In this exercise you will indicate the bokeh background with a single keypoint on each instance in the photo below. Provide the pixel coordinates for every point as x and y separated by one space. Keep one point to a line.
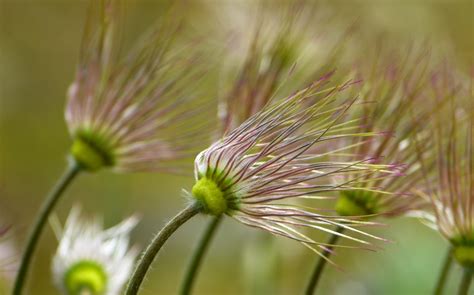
39 43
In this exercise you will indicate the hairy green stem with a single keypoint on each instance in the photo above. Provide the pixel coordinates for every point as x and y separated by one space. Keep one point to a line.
198 255
448 260
318 270
465 282
46 209
154 247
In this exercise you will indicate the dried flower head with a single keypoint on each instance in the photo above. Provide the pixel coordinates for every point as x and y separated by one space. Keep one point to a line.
449 168
93 260
257 81
256 172
282 55
133 114
392 103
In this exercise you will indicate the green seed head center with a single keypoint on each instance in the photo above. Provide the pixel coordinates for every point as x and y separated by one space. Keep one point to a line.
356 203
211 197
86 275
464 254
91 152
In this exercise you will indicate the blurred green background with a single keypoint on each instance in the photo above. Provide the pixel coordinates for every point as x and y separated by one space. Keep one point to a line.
39 42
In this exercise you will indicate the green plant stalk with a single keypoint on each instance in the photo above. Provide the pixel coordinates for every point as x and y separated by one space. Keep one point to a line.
46 209
319 268
156 244
444 272
198 255
465 282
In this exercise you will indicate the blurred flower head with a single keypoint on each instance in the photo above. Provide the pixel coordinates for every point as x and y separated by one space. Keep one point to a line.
137 113
391 102
257 172
93 260
449 167
283 51
256 82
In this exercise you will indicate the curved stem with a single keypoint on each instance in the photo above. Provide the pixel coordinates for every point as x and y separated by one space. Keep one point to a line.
465 282
46 209
154 247
444 272
198 255
318 270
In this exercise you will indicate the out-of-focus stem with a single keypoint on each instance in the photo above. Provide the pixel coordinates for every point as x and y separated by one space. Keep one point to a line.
465 282
46 209
444 272
198 255
319 268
